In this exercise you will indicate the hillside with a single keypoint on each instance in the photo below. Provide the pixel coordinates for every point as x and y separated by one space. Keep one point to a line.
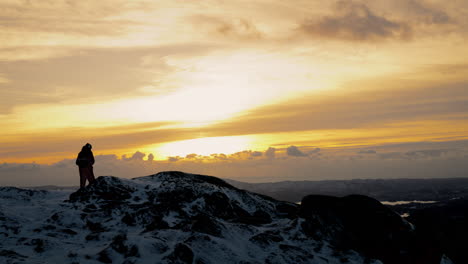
175 217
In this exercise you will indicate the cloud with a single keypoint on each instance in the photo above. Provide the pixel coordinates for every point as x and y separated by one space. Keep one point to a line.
62 23
431 153
446 103
367 151
103 139
314 151
191 156
270 153
239 28
219 156
256 154
427 162
295 152
351 111
355 21
136 156
391 155
174 159
83 27
426 13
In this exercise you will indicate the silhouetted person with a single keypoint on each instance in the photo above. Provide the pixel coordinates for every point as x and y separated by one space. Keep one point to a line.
85 161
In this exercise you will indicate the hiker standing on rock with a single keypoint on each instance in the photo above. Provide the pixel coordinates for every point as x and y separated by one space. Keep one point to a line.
85 161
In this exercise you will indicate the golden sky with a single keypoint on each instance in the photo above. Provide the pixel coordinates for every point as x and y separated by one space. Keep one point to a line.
174 78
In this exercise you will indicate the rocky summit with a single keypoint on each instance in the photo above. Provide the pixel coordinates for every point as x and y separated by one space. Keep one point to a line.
176 217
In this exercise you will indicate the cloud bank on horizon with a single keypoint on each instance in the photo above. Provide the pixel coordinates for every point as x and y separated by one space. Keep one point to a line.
181 80
415 160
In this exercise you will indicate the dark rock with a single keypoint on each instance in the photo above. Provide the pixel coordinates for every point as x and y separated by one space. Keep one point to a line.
54 217
239 212
267 238
104 188
172 201
156 223
20 194
204 224
288 210
68 231
11 254
181 254
95 227
290 254
52 234
322 205
129 219
442 229
197 238
289 248
103 257
49 227
118 244
258 218
133 252
90 208
92 237
83 216
39 245
218 204
264 216
21 240
360 223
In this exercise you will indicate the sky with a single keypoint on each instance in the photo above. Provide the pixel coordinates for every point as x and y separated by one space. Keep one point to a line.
250 90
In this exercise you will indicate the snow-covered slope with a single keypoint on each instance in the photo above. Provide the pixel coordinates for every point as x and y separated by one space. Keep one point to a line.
170 217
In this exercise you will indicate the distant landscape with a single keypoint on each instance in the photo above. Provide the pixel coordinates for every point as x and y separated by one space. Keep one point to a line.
438 208
176 217
380 189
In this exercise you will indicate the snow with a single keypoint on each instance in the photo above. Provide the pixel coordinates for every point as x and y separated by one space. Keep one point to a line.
445 260
48 227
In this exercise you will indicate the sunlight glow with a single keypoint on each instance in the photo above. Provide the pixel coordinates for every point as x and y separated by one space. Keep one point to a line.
206 90
220 86
204 146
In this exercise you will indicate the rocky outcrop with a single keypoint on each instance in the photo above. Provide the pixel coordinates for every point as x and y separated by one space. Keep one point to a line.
176 217
362 224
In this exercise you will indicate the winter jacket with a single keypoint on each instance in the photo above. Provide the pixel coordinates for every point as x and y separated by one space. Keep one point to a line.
85 158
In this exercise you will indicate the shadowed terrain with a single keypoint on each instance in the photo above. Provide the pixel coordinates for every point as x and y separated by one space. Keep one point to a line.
176 217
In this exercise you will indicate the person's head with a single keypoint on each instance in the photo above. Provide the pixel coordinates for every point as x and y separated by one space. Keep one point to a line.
87 147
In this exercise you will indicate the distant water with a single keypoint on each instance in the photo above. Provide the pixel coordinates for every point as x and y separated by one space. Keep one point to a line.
407 202
401 202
